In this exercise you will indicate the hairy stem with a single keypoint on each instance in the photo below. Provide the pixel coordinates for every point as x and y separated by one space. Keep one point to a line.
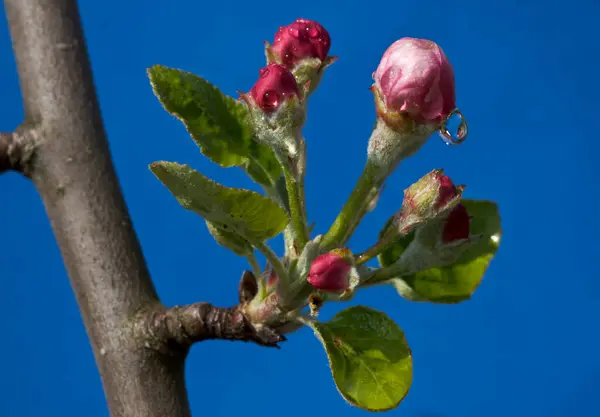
352 212
372 252
258 275
382 274
298 219
275 262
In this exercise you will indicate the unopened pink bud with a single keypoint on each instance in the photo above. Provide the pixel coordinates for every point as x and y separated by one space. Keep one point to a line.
330 272
447 190
302 39
415 77
457 225
426 199
433 191
275 85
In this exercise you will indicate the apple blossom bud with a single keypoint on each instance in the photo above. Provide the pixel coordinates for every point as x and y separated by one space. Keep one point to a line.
302 39
247 288
416 79
426 199
414 96
457 225
302 47
277 113
330 272
438 242
446 189
275 85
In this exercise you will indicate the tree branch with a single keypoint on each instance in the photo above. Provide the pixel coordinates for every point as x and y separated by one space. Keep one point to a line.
175 329
16 152
74 174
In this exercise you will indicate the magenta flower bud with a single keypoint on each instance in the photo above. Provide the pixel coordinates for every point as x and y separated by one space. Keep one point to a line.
302 39
330 272
275 85
415 78
447 190
425 200
432 193
457 225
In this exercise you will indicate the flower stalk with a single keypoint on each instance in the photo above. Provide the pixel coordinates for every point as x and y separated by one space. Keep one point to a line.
353 209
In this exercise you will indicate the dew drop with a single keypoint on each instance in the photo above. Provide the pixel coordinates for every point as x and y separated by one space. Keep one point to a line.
270 99
313 32
263 72
294 32
454 129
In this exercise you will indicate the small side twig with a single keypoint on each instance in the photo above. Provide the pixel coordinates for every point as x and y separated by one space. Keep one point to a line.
15 153
174 330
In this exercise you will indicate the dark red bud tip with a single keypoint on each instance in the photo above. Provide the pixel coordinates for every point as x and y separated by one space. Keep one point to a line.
447 191
302 39
275 85
329 273
457 225
272 279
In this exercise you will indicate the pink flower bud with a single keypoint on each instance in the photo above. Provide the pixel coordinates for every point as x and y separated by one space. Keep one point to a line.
457 225
302 39
447 190
415 77
275 85
330 272
433 194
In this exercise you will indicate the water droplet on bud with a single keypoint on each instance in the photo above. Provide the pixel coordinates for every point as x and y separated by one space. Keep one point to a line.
263 72
294 32
454 128
313 32
271 99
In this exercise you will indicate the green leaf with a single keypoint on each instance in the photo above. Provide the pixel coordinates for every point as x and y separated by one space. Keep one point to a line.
456 282
242 212
219 124
369 358
230 240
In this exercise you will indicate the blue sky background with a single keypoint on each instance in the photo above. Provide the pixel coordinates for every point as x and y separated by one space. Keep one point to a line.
526 74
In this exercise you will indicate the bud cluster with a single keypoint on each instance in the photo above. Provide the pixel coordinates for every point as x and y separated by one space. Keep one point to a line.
414 94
